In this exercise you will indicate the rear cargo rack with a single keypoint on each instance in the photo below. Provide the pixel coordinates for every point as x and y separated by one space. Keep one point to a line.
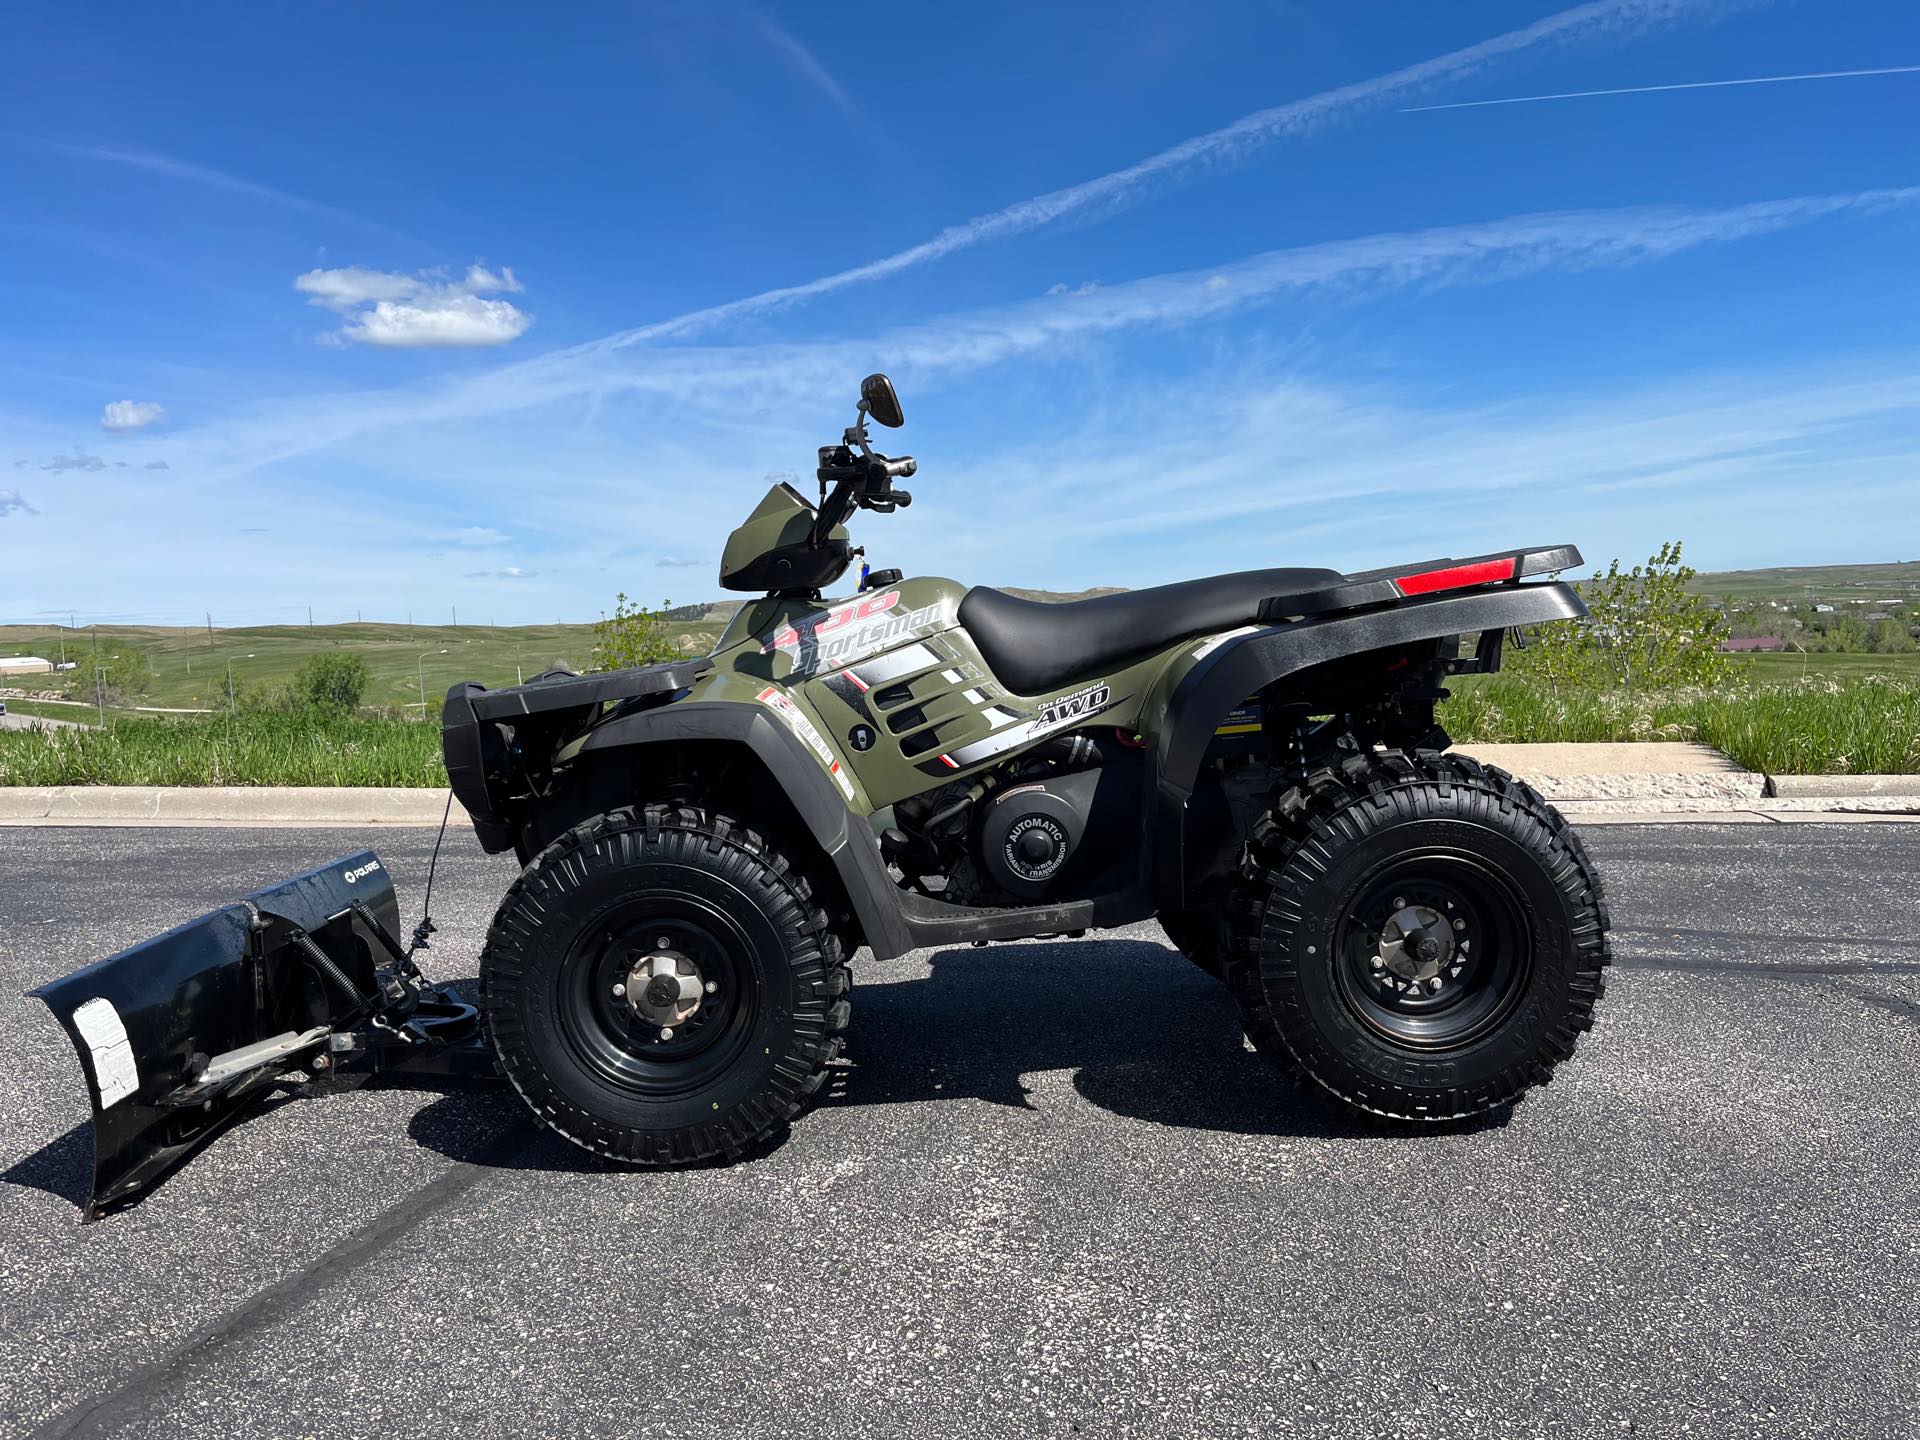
1398 582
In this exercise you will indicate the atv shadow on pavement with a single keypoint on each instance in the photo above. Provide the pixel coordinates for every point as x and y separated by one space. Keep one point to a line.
1147 1037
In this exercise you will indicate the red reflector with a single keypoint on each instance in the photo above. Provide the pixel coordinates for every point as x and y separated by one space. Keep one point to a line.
1456 577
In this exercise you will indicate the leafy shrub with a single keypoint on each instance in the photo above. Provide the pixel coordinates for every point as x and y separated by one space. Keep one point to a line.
334 683
633 635
1643 631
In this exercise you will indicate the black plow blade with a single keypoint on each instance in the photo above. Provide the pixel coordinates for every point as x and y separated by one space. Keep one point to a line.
181 1034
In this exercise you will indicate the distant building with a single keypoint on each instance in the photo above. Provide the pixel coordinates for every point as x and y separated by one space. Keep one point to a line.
1823 609
1765 644
25 665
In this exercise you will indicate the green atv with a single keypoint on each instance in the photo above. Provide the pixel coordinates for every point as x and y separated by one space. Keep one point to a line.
1250 758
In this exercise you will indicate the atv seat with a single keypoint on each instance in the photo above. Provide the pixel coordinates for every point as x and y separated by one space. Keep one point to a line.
1032 646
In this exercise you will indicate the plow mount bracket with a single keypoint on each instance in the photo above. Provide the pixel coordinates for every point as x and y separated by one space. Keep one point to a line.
179 1035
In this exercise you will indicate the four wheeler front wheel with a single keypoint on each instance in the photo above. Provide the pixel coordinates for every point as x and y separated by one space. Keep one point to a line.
661 987
1420 937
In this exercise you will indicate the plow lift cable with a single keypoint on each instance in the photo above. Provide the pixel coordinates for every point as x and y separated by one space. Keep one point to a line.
426 926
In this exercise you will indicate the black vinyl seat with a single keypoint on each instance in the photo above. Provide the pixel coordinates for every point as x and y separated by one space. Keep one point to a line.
1033 645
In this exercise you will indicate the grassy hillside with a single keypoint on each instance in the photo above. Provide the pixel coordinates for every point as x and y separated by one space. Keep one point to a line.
188 668
1836 584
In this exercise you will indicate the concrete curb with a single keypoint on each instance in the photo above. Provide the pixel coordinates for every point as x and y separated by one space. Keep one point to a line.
222 805
1591 784
1845 787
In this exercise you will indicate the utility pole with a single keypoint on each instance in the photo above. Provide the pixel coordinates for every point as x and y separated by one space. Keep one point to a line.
456 616
420 668
209 629
309 617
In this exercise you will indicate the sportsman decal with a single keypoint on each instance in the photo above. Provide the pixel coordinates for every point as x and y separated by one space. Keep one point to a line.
782 705
829 639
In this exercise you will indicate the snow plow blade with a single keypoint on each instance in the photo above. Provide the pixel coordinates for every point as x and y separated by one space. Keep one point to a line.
179 1035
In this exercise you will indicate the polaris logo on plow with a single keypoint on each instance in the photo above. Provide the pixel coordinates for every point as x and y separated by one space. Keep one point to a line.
1069 708
354 877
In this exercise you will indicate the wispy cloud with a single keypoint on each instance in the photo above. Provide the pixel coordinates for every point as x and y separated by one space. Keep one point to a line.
174 168
803 61
510 572
716 377
131 414
479 535
12 502
79 460
399 311
1654 89
1231 145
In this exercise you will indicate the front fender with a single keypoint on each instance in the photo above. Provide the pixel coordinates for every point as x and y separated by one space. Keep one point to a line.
844 838
1248 664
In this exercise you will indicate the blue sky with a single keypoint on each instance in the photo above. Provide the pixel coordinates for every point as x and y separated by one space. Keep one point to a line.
385 311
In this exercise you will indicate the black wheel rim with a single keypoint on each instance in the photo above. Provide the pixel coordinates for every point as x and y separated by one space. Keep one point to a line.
609 1034
1434 952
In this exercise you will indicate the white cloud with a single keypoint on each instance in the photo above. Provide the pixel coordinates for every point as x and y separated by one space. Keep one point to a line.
479 535
79 460
158 465
399 311
12 502
131 414
511 572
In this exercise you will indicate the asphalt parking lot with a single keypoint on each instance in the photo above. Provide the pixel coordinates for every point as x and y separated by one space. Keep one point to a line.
1051 1194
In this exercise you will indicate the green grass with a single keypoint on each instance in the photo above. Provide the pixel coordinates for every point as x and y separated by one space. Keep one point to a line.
1865 725
1868 725
190 672
243 749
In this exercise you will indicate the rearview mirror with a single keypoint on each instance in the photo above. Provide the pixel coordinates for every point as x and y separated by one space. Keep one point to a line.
876 394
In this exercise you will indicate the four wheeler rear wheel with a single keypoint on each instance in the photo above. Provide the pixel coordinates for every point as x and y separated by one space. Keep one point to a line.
661 987
1421 937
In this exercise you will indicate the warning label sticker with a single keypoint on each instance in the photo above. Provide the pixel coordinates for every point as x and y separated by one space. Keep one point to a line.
796 718
113 1068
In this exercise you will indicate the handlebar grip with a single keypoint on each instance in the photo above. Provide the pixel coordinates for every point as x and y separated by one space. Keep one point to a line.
903 467
902 499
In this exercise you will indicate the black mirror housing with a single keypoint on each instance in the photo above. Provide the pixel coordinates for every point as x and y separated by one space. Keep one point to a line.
876 394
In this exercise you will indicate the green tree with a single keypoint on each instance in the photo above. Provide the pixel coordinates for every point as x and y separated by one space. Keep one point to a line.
632 635
1643 631
333 683
1890 637
115 673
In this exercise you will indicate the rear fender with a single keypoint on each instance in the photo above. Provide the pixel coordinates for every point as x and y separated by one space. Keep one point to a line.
1249 663
845 840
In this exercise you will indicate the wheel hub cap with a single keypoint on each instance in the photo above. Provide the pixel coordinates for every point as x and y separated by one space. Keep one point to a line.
665 989
1416 943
